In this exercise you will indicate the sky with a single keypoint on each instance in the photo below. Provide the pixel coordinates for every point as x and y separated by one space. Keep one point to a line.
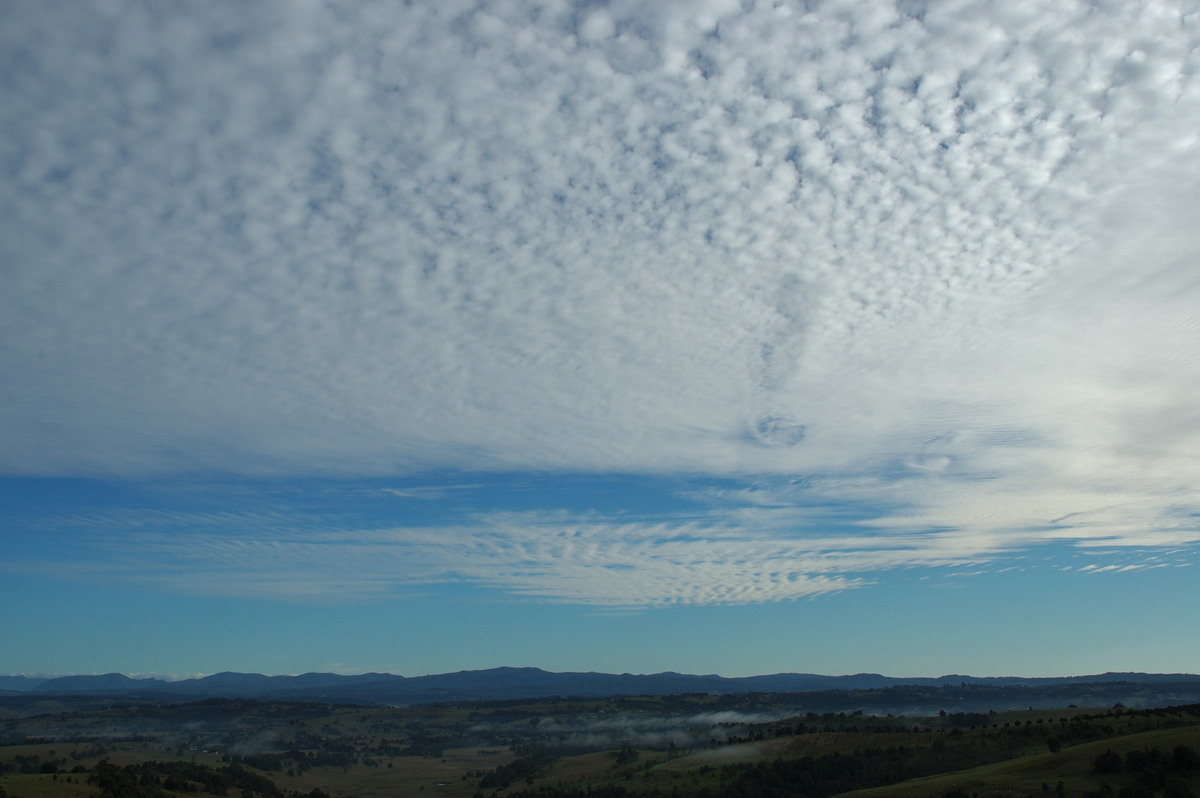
712 336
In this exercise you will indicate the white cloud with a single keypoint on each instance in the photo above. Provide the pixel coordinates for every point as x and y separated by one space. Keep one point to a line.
943 253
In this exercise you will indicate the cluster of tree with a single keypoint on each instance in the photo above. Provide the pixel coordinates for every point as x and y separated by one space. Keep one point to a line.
300 761
33 763
965 720
527 768
836 773
22 764
1182 758
152 779
625 756
1153 770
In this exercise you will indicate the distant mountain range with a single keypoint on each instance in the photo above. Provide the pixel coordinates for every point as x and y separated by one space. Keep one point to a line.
515 683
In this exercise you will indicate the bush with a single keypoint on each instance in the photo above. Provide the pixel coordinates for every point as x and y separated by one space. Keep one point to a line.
1137 761
1108 762
1184 758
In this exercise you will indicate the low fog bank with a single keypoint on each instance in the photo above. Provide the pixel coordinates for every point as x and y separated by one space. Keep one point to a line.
595 732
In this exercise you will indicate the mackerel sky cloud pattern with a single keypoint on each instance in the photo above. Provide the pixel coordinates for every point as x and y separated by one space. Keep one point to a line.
938 261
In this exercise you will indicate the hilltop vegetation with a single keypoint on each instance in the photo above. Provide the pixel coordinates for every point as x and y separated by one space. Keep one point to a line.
760 745
866 691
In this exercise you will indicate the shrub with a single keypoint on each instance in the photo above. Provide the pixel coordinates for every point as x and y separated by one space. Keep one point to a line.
1108 762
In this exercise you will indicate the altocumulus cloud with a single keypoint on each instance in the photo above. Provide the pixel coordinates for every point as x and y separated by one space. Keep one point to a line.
940 257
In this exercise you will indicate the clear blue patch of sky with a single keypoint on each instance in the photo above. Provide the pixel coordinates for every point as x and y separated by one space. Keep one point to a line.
1033 622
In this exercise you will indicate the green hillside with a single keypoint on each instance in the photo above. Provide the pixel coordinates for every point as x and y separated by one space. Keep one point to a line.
670 747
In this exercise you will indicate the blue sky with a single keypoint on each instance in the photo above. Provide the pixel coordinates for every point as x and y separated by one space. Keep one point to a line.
699 336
